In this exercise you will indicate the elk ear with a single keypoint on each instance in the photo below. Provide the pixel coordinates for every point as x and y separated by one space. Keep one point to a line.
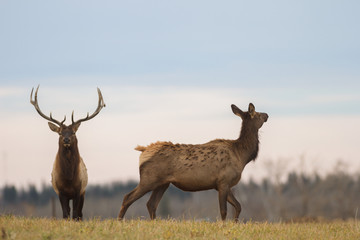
237 111
53 127
251 110
76 126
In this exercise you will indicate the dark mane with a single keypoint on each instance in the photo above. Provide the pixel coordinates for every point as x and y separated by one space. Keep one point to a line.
217 164
248 141
69 175
69 159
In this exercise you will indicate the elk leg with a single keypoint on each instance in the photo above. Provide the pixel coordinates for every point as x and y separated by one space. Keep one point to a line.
75 207
155 198
223 195
65 206
78 202
81 204
131 197
232 200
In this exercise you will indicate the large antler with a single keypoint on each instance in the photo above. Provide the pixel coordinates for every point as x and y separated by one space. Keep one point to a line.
36 105
101 104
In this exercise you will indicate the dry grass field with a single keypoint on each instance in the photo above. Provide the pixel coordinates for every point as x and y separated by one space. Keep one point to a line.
42 228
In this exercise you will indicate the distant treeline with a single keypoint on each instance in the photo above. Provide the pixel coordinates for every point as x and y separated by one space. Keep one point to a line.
10 195
335 196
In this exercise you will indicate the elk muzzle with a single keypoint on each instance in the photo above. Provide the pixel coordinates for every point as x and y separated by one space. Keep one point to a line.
265 116
66 142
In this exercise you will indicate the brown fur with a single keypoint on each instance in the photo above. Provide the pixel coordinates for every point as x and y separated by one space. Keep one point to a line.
69 175
217 164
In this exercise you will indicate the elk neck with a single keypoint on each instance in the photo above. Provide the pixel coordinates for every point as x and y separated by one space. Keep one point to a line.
69 159
248 142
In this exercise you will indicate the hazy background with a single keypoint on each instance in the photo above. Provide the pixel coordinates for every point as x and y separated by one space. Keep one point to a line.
169 70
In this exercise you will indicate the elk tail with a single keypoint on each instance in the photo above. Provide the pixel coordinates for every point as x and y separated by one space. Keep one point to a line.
140 148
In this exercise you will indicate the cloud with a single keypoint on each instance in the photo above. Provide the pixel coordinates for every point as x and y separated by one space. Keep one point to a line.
107 142
176 99
9 92
334 98
144 114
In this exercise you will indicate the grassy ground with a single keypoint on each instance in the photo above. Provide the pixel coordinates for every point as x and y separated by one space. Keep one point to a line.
40 228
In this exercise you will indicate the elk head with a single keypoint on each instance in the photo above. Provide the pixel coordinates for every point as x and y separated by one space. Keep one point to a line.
67 133
251 117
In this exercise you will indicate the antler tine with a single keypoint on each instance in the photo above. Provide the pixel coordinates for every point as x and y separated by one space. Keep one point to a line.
101 104
56 120
72 117
37 108
32 90
101 97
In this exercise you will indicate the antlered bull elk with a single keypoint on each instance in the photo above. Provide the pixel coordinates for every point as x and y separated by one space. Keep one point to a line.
217 164
69 174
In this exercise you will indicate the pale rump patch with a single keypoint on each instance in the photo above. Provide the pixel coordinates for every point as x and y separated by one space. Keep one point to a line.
151 150
140 148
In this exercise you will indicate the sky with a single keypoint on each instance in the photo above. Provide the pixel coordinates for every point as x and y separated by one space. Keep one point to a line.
169 70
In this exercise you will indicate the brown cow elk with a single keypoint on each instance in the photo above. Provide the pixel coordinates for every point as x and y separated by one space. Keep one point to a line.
69 174
217 164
